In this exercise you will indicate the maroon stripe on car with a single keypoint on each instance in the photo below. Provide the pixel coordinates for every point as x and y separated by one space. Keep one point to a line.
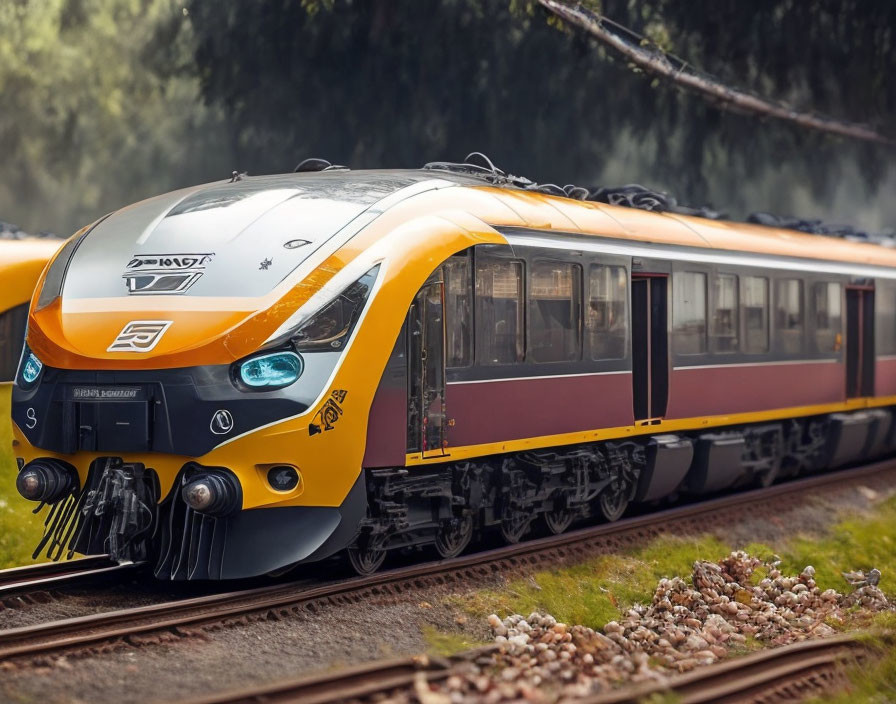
710 391
512 409
885 377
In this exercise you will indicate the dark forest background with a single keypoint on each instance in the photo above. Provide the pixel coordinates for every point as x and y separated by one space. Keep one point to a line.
103 102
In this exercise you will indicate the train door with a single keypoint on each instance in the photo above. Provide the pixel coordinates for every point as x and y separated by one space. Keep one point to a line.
427 419
859 341
650 346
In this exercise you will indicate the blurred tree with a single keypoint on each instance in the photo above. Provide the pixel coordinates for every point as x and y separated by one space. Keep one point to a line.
95 109
397 82
108 101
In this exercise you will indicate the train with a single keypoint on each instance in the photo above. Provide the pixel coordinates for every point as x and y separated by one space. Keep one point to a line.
239 378
22 259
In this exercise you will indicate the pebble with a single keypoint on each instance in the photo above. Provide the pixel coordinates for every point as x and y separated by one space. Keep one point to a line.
689 623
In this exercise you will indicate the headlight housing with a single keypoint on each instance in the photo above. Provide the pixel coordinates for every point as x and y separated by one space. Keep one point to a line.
327 325
30 368
273 370
318 333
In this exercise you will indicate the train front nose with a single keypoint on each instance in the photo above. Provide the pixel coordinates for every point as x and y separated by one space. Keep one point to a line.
46 480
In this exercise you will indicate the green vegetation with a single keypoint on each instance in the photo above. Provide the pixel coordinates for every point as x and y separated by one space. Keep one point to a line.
598 590
448 643
859 542
19 528
97 109
110 101
603 588
875 682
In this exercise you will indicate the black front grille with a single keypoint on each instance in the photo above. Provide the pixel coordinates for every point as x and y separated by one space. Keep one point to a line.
115 512
191 544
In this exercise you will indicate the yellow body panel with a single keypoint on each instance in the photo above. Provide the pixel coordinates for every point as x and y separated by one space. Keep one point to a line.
21 263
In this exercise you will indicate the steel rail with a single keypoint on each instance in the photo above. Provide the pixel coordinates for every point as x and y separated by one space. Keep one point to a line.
736 679
355 682
748 675
20 581
84 631
42 570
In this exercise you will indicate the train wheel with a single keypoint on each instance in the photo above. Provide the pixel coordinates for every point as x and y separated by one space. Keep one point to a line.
558 520
515 526
366 555
613 501
454 535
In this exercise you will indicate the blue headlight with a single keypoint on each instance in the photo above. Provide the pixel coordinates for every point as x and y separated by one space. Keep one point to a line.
31 369
271 370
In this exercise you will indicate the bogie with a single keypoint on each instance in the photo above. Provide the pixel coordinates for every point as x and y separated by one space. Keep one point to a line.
446 505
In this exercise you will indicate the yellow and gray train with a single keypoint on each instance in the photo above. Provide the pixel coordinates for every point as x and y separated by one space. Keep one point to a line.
22 259
236 378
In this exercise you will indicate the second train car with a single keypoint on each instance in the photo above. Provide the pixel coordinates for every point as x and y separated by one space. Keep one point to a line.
22 259
240 377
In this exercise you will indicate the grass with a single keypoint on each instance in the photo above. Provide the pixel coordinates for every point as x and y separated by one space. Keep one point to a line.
602 589
19 528
446 643
875 682
859 542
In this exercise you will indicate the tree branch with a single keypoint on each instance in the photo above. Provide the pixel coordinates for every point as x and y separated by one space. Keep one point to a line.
657 63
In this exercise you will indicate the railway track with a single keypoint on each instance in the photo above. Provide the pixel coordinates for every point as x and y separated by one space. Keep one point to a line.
353 683
19 582
787 673
187 616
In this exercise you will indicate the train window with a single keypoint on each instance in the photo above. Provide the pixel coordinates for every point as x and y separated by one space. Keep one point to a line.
827 309
789 315
724 328
499 311
885 318
689 312
606 318
555 305
754 299
458 312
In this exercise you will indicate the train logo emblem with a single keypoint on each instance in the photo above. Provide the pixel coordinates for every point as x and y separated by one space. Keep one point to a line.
164 273
139 336
326 417
222 422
